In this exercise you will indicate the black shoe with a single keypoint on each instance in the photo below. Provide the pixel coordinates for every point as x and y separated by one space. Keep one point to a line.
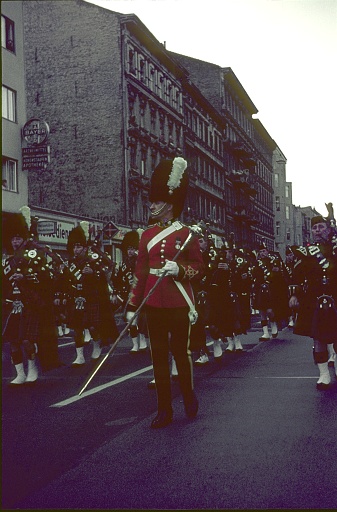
162 419
191 406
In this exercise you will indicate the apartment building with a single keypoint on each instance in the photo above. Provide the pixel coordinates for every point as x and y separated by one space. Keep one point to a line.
14 178
248 152
284 227
117 102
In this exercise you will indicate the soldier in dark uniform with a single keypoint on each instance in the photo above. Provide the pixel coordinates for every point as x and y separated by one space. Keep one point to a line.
201 290
122 285
61 298
270 290
169 302
27 293
289 264
315 275
241 281
90 307
225 313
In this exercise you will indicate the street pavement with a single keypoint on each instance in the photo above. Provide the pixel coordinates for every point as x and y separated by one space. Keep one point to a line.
264 438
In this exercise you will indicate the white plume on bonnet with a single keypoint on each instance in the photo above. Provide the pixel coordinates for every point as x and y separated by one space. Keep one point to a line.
178 167
85 226
25 210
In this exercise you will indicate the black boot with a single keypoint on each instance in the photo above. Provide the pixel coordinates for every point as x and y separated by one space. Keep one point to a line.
162 419
191 405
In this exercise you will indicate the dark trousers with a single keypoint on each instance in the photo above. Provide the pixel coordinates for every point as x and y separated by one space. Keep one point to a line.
169 330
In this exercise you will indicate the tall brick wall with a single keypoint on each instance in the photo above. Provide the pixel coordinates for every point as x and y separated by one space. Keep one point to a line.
73 73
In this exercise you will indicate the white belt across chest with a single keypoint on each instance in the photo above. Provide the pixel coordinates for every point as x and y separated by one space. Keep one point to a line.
175 226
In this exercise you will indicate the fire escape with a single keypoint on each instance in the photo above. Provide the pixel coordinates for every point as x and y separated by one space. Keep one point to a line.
243 178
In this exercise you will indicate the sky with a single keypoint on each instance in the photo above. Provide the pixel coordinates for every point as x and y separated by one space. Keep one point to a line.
284 53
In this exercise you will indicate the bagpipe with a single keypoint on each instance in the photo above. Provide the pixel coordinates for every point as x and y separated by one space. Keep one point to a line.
31 259
95 258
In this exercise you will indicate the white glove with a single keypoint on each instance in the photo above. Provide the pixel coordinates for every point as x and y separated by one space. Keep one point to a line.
171 268
129 315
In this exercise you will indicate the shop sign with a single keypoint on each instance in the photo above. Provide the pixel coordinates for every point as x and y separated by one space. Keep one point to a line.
60 235
35 131
46 227
35 158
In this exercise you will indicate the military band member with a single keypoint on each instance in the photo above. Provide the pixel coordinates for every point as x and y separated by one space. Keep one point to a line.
225 313
167 306
201 290
61 299
289 264
270 290
122 285
241 281
27 291
315 275
90 307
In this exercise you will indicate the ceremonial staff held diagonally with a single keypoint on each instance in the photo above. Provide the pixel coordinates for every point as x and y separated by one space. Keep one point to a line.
194 231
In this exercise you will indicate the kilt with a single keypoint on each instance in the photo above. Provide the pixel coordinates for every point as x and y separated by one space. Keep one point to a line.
23 326
225 313
80 319
315 322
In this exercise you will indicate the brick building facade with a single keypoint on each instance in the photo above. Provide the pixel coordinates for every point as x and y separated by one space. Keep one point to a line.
117 102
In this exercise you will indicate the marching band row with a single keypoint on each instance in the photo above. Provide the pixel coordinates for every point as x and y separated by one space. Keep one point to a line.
45 296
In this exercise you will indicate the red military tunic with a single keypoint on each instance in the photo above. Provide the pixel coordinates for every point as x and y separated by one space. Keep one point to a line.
157 245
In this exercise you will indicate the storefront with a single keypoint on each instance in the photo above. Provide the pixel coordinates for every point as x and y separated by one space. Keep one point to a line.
54 228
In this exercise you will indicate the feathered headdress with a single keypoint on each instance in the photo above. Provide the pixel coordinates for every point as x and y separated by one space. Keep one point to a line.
131 239
14 224
85 226
78 235
169 183
25 211
178 167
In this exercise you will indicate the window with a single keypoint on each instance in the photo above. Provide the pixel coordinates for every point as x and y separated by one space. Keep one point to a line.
287 190
9 175
287 213
8 104
276 180
277 203
132 60
278 226
7 34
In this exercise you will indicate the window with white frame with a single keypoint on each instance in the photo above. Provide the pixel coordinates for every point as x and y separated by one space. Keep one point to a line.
287 212
9 174
7 34
277 203
8 103
278 228
276 181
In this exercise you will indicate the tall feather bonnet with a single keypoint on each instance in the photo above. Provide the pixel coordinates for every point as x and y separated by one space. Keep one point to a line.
169 183
17 224
78 235
131 239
